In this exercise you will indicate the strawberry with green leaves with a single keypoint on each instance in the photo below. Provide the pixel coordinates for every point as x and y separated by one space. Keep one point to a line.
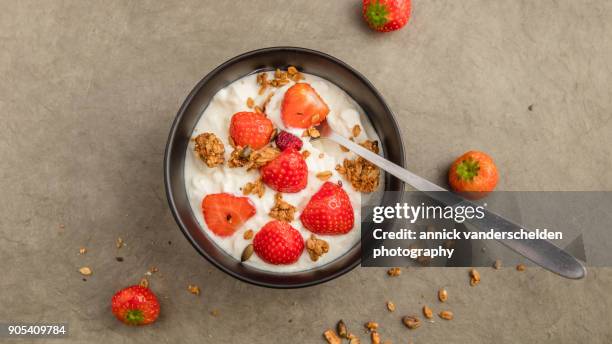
135 305
386 15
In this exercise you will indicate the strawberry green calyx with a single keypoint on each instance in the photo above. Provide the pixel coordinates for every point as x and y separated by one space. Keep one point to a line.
468 169
377 14
134 317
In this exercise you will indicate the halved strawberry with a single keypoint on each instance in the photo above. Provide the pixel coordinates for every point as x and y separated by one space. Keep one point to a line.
251 128
329 211
278 243
302 107
225 213
287 173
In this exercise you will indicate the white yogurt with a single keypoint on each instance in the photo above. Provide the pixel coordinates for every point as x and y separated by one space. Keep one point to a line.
201 180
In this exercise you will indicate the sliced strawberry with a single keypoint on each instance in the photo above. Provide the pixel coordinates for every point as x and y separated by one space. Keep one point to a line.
287 173
225 213
286 140
302 107
329 211
278 243
251 128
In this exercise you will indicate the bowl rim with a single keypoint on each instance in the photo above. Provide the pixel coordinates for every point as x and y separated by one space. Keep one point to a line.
172 139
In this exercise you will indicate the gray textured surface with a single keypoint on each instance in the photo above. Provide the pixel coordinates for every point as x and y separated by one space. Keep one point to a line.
88 91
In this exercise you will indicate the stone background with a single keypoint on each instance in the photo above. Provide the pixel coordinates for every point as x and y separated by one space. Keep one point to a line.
88 91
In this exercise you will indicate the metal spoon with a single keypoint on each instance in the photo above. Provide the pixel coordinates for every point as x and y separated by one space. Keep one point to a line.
542 252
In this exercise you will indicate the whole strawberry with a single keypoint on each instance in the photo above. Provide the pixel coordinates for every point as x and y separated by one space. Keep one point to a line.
135 305
286 140
329 211
386 15
251 129
278 243
287 173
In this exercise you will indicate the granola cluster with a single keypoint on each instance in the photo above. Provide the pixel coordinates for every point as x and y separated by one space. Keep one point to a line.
282 210
316 247
281 78
362 174
210 149
245 156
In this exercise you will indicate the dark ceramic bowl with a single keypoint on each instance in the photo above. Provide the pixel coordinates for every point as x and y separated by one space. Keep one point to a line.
309 61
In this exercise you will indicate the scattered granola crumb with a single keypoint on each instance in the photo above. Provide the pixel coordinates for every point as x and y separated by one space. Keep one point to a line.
305 153
257 187
442 295
248 234
394 272
250 102
194 289
423 260
85 271
371 326
390 306
119 242
264 105
344 149
353 339
342 330
324 175
411 321
362 174
497 265
119 259
521 267
144 282
215 313
153 269
375 337
356 130
316 247
209 149
82 251
474 277
282 210
427 312
332 337
446 315
313 132
294 74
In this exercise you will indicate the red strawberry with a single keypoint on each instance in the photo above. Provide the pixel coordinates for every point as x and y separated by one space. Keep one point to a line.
287 173
278 243
285 140
225 213
251 128
386 15
135 305
302 107
329 211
